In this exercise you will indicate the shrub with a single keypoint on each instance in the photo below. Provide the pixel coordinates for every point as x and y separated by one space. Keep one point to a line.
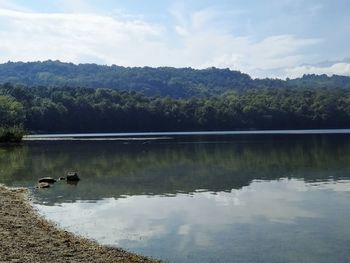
11 134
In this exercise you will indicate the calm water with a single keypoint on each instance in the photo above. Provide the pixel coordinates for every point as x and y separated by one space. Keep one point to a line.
238 198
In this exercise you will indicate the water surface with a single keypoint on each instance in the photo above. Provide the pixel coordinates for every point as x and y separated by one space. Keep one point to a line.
237 198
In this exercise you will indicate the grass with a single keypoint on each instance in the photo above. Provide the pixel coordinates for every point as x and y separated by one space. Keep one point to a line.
11 134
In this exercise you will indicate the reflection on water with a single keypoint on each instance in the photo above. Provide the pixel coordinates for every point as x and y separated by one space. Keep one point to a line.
237 199
279 221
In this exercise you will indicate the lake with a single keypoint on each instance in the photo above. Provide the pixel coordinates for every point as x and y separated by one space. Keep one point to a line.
246 197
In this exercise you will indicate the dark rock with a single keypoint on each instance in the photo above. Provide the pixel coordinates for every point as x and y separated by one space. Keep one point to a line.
61 178
72 176
49 180
43 185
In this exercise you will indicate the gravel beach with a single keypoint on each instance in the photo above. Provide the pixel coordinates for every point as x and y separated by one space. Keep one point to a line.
26 237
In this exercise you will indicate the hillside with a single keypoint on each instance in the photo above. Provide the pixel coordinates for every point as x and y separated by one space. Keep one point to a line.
104 110
164 81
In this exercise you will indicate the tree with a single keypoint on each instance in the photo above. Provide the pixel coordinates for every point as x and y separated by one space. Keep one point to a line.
11 111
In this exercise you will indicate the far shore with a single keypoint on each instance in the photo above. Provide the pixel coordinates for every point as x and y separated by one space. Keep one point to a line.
25 236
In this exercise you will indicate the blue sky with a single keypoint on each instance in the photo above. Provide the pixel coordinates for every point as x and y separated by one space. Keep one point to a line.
285 38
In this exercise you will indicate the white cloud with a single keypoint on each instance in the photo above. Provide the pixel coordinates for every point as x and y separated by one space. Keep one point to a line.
200 41
258 56
71 37
335 69
12 6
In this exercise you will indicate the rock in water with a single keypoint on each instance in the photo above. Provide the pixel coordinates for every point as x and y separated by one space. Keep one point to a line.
49 180
72 176
43 185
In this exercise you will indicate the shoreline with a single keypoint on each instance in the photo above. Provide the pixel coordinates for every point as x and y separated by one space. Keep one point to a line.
25 236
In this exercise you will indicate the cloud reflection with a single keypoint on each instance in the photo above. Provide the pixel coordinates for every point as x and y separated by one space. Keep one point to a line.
179 226
142 217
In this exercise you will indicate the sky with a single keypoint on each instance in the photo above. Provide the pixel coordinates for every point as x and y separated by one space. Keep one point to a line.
264 38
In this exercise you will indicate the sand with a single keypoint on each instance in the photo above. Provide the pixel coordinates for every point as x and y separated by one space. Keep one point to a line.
25 236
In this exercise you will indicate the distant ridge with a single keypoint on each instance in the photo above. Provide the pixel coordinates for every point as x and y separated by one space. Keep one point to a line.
162 81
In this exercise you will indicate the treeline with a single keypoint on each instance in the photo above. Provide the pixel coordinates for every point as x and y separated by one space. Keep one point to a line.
163 81
104 110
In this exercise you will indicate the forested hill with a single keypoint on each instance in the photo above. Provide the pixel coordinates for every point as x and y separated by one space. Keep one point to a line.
104 110
164 81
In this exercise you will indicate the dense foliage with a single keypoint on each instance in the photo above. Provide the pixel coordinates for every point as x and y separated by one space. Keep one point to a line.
11 134
102 110
164 81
